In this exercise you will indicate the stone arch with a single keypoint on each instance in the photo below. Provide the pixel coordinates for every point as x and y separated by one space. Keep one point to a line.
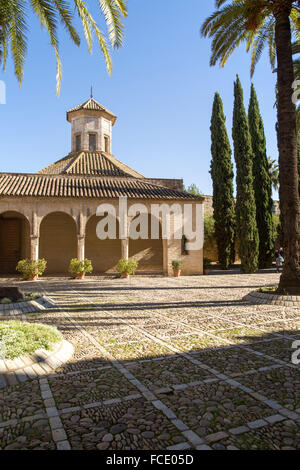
14 240
149 253
58 241
104 254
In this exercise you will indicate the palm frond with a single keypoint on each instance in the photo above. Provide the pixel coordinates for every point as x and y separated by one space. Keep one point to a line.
113 15
66 17
260 39
16 32
89 26
241 21
13 28
46 13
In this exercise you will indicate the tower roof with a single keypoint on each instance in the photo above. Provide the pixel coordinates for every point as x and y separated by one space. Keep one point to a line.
92 105
90 163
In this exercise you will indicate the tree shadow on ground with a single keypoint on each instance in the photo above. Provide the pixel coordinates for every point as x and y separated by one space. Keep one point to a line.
112 404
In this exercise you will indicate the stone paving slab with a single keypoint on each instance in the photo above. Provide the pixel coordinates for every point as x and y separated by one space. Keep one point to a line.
265 298
278 436
37 364
19 308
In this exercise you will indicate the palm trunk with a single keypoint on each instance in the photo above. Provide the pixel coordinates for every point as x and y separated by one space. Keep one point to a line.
287 144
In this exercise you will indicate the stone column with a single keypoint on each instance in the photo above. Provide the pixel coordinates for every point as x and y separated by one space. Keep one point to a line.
81 247
165 257
34 247
125 248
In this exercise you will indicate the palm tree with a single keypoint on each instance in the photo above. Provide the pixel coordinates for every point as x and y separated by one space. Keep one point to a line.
258 23
273 171
296 65
14 27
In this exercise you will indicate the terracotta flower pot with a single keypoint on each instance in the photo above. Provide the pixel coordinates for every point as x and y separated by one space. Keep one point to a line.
33 278
125 275
177 272
80 276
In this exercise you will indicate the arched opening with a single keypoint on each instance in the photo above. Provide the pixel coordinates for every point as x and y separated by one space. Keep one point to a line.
149 253
58 242
14 241
104 254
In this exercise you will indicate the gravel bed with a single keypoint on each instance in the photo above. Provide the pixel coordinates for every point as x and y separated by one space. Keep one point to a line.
195 342
282 385
279 349
20 401
232 361
33 435
215 407
279 436
89 387
134 425
167 372
139 350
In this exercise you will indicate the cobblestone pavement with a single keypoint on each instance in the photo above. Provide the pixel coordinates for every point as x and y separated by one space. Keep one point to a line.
161 363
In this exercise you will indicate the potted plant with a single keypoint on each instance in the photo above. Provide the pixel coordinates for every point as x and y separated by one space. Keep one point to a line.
206 265
177 264
31 269
79 269
127 267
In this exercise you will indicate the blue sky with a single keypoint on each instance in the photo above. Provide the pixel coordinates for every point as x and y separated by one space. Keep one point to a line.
162 91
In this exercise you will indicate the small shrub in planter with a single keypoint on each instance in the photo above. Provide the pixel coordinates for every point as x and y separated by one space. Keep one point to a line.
127 267
5 301
79 269
176 264
206 265
31 269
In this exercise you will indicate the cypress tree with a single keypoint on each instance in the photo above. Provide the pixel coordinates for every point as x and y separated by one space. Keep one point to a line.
222 177
262 184
298 142
245 207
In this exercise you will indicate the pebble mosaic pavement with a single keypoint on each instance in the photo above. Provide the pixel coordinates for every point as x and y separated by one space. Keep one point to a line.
161 363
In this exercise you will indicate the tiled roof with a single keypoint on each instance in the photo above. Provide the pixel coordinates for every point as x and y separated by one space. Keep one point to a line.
90 163
37 185
92 105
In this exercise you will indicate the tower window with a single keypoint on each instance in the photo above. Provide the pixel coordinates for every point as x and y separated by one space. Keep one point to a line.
92 141
106 144
78 143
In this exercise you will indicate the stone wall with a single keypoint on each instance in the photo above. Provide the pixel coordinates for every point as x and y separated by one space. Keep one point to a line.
91 122
169 183
58 242
80 211
208 206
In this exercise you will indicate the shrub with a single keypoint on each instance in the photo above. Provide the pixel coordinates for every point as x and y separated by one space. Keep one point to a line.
5 301
177 264
30 268
80 267
127 266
